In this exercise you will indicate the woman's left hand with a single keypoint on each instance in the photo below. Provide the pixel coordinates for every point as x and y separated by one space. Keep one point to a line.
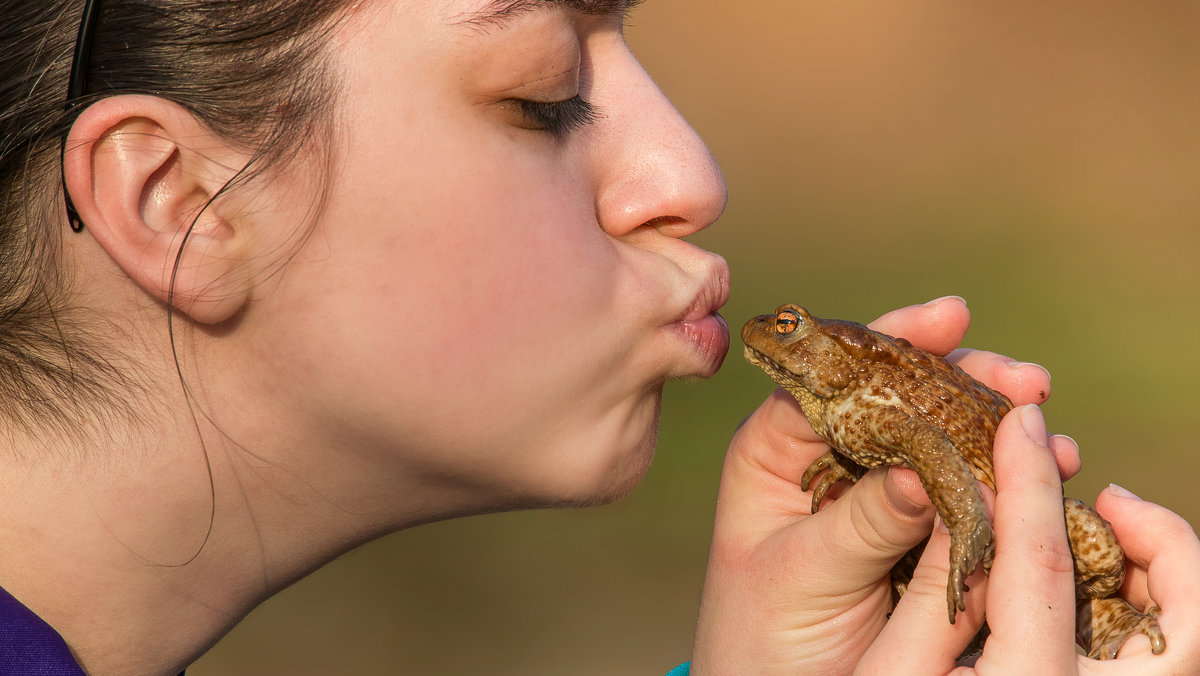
1030 595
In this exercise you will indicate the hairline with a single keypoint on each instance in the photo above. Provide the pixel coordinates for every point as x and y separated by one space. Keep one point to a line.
500 12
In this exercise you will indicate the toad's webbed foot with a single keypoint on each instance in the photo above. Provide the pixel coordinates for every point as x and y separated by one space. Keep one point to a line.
971 543
1103 625
836 468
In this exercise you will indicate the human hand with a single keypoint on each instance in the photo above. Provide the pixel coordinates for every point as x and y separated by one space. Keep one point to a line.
1030 596
787 590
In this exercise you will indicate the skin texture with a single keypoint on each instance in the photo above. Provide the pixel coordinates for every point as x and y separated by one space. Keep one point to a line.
316 304
316 308
879 401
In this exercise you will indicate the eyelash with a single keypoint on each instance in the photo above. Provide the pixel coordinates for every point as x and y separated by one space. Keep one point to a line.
559 118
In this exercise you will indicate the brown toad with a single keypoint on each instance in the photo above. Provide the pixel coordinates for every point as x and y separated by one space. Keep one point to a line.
878 400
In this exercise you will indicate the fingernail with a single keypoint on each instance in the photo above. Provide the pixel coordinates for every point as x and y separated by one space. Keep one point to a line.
899 500
1034 423
1121 492
1022 364
1069 438
940 525
935 301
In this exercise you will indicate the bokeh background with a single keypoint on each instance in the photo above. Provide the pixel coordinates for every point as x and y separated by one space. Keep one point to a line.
1040 158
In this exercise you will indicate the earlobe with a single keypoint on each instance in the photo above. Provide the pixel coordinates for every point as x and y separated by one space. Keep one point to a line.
143 173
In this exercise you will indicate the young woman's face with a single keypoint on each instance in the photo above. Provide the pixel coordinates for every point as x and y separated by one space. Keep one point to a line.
496 291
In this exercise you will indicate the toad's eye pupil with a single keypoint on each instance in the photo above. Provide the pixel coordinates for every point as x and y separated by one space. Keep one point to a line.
785 323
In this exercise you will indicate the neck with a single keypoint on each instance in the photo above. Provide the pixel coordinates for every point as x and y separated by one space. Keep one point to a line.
114 551
143 541
142 562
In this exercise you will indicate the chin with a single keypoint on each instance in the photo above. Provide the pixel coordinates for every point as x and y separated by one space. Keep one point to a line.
621 483
601 476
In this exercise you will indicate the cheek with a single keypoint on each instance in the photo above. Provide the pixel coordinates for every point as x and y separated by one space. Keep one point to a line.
497 281
469 310
475 232
493 308
514 279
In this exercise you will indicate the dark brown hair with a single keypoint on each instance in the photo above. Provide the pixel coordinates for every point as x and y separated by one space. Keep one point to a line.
252 70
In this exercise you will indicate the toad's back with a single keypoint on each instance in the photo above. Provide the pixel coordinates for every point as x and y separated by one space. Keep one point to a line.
890 373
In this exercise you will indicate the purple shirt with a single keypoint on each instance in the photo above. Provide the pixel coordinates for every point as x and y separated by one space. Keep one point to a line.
29 646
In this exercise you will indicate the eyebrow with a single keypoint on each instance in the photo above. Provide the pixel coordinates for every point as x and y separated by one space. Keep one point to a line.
500 12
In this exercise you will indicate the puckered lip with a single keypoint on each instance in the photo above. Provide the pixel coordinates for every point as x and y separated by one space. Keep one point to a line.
700 324
712 294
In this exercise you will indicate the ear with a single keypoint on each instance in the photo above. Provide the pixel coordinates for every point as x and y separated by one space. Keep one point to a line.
142 172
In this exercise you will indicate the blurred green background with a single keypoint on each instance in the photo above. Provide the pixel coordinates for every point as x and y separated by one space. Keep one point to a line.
1041 159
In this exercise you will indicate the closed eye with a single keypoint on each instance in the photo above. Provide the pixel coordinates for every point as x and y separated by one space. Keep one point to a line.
559 118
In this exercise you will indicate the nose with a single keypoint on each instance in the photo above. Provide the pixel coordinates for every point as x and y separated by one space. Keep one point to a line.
656 171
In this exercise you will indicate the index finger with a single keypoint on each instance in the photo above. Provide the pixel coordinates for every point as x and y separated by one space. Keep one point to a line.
937 326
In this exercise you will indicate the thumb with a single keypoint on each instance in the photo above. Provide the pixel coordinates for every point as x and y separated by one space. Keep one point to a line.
873 525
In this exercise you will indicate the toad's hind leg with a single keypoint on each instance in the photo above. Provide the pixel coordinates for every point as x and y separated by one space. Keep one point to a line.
951 487
1103 620
1103 625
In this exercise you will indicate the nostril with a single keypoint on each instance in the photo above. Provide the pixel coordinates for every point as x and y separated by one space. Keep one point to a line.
660 221
671 226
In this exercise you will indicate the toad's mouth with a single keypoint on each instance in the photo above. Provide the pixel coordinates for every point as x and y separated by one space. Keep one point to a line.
763 362
777 372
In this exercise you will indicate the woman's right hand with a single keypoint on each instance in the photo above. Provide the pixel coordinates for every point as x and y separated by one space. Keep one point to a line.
1030 597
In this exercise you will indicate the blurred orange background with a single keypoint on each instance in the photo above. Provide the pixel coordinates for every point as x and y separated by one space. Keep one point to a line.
1041 159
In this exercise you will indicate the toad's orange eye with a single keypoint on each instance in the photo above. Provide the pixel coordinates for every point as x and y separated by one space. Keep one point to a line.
786 323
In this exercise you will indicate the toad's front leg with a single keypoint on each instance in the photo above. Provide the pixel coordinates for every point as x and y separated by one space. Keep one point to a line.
833 468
